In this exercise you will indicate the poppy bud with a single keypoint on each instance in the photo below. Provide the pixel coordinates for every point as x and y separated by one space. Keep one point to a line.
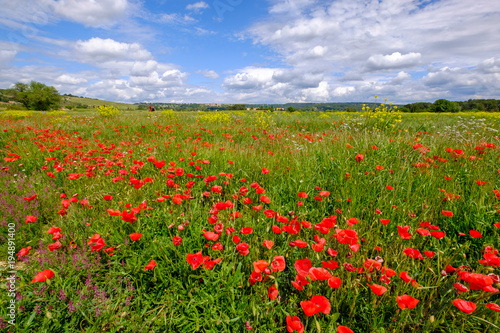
292 243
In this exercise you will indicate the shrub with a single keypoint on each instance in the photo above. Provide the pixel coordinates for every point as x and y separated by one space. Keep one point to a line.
107 111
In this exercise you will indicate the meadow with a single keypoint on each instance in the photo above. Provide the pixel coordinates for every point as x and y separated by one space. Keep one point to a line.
250 222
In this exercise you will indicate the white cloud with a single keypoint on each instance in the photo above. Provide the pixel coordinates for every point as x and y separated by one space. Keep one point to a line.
209 74
6 57
343 91
197 7
90 12
394 60
400 78
375 47
70 79
97 50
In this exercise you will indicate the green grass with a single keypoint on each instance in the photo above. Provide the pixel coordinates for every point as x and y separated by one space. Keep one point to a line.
92 102
304 152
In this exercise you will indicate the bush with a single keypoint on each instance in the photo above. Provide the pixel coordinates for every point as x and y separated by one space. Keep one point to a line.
443 105
107 111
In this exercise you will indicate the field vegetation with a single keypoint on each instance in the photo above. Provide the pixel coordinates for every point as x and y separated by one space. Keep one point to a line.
376 221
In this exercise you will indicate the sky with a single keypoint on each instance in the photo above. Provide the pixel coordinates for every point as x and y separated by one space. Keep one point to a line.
254 51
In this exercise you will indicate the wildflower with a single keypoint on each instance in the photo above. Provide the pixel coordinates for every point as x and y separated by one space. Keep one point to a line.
464 306
294 324
150 266
318 304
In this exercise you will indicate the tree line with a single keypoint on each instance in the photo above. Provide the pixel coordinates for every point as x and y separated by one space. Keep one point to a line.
33 96
443 105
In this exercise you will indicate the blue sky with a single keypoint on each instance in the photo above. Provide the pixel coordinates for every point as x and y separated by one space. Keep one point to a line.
242 51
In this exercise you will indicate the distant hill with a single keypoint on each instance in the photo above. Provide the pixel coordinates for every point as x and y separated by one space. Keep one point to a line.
68 101
90 103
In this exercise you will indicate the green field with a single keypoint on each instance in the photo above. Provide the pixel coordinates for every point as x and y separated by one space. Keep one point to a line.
331 220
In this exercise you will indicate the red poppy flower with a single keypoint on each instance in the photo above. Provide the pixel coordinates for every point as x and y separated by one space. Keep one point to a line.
324 193
460 287
247 231
243 249
268 243
405 276
150 266
300 243
43 276
389 187
30 198
464 306
302 195
195 260
272 292
370 264
359 158
31 219
276 229
265 199
319 273
294 324
265 171
278 264
388 271
423 232
177 240
53 230
403 232
332 264
429 254
55 246
23 252
334 282
384 221
437 234
211 236
344 329
332 252
135 236
260 265
377 289
352 221
317 304
447 213
406 302
493 306
302 266
413 253
475 234
477 281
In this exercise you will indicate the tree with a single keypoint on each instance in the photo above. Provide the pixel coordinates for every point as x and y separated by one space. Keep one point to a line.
443 105
237 107
290 109
37 96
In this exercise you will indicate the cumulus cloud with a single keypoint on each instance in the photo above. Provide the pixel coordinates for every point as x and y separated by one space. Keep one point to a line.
209 74
6 57
89 12
70 79
400 78
98 50
393 61
376 46
197 6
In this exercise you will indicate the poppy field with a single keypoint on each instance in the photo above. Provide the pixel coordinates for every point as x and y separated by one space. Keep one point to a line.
250 222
